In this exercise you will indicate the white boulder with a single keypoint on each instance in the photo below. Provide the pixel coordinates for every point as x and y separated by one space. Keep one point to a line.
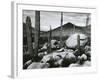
71 42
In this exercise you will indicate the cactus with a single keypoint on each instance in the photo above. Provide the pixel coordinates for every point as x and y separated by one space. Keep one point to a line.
28 32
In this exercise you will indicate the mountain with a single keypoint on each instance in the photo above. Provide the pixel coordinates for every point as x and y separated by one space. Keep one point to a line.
68 29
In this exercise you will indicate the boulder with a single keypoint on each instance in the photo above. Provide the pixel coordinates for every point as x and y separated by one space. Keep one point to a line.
54 44
52 56
74 65
70 55
58 63
88 53
27 64
57 57
85 64
83 57
88 50
38 65
60 50
71 42
44 46
46 58
68 59
41 54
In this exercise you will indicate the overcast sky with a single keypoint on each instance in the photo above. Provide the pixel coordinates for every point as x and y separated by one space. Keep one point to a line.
53 19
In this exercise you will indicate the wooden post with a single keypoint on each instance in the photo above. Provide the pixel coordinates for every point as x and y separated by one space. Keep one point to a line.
28 33
49 40
61 43
37 33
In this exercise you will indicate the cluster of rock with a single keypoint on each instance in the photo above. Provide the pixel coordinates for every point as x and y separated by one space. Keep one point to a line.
64 57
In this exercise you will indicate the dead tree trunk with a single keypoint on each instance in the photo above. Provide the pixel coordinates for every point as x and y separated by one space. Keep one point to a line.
37 33
28 32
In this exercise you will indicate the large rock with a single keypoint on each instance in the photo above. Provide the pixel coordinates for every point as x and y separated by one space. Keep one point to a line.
68 59
71 42
70 55
83 57
58 63
38 65
55 44
45 46
53 56
41 54
85 64
57 55
46 58
27 64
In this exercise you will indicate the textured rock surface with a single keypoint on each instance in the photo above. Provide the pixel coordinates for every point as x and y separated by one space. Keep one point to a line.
71 42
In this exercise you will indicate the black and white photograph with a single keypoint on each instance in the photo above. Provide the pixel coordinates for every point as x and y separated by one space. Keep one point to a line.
54 39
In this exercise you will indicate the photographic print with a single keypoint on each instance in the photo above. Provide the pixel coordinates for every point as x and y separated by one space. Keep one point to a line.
50 40
54 39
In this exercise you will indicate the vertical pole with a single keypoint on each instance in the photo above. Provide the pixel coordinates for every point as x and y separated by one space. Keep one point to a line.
78 43
49 40
37 33
73 29
61 43
28 32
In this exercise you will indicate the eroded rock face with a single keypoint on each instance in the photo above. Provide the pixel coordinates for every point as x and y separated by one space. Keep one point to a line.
71 42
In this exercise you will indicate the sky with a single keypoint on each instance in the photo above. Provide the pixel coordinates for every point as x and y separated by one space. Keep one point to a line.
53 19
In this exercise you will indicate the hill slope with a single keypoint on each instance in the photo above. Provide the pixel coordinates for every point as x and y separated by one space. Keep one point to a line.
68 29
